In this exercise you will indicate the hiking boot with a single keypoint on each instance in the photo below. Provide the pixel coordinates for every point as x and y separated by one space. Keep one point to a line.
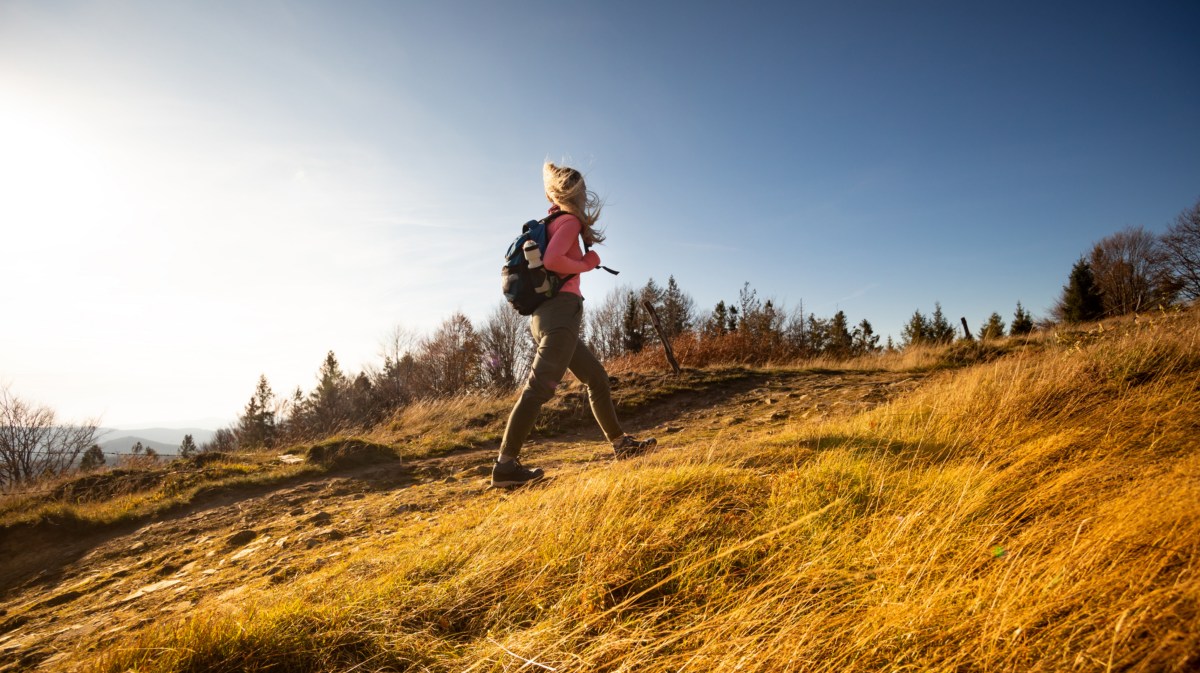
627 446
506 475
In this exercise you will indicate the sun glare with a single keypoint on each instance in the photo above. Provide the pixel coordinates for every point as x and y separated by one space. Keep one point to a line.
53 176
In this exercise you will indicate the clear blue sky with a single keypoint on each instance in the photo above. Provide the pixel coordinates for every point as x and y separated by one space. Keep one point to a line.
201 192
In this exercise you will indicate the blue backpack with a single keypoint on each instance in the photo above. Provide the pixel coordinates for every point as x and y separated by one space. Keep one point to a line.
526 282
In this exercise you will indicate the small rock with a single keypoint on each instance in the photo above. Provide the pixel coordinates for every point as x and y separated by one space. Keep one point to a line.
241 537
299 511
244 553
320 518
483 471
671 429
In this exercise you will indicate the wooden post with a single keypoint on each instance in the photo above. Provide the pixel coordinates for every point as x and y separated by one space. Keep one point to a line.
661 335
967 329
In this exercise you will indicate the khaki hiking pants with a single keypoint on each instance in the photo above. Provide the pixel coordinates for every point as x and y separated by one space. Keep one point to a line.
555 326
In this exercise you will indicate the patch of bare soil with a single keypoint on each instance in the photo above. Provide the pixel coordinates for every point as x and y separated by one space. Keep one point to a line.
95 590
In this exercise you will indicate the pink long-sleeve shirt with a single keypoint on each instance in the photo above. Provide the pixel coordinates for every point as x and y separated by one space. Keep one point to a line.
564 255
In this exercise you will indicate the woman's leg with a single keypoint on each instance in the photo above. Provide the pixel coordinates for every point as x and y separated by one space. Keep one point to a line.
592 374
555 325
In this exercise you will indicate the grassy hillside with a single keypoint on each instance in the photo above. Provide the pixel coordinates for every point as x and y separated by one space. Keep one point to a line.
1038 511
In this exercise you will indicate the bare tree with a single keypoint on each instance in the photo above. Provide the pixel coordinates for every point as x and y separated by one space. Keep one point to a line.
604 329
33 444
507 347
1129 269
450 361
1181 249
393 383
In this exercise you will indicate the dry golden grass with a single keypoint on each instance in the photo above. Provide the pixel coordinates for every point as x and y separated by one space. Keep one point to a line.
122 495
1037 512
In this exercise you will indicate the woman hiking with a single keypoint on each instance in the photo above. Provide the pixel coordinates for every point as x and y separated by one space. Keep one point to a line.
556 326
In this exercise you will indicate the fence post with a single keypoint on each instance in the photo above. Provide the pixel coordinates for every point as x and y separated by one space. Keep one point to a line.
661 335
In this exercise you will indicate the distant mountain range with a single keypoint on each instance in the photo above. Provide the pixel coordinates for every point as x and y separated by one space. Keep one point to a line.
164 441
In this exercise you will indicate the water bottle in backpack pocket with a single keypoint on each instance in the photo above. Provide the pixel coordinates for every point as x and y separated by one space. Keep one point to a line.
524 278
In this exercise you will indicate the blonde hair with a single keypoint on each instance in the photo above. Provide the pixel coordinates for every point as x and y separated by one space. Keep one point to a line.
565 188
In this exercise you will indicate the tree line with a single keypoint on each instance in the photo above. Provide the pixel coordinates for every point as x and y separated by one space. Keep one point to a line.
1132 270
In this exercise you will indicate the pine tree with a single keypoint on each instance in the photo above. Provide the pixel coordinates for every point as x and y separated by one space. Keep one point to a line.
1022 322
717 323
188 447
1080 300
256 426
677 309
633 337
993 328
917 331
865 340
940 329
92 459
819 334
840 341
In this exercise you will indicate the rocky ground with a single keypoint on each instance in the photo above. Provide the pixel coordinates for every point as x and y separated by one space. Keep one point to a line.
67 592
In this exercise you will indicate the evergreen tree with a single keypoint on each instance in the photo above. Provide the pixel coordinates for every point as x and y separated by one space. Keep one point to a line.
677 309
819 334
633 336
256 427
326 403
865 340
365 407
840 341
1080 300
92 459
940 329
718 322
917 331
1022 322
188 447
993 328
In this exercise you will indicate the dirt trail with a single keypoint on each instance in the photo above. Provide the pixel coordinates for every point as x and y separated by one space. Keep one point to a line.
102 587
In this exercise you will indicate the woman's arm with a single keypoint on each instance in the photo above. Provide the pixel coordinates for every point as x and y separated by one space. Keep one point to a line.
561 242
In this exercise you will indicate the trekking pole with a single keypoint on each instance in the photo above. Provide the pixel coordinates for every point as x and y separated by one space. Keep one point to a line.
661 335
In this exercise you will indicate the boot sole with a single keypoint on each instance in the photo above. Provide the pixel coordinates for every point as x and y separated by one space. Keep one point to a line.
514 484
